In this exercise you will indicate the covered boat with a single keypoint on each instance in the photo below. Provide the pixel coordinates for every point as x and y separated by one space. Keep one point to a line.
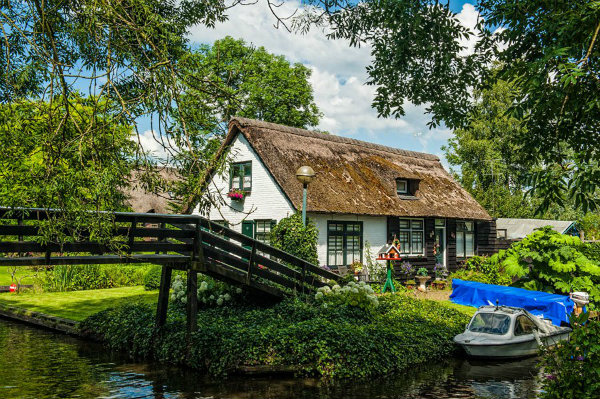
504 332
554 307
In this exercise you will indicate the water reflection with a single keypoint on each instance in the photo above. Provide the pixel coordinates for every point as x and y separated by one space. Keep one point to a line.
40 364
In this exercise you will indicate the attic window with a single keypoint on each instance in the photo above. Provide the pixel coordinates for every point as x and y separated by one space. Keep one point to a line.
401 186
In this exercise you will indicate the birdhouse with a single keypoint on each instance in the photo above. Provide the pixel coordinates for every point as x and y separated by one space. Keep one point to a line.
388 252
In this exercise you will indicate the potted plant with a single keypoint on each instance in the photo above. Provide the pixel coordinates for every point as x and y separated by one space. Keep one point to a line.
357 267
439 272
410 284
236 194
423 277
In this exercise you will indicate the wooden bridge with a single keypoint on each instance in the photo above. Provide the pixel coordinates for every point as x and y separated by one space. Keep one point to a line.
182 242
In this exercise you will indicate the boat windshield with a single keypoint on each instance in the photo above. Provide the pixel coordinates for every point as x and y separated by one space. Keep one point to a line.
490 323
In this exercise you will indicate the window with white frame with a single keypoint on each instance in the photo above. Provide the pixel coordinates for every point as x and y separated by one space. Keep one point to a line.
344 243
263 230
240 176
411 236
465 239
401 186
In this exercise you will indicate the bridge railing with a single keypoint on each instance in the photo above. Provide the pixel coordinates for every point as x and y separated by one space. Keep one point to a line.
179 241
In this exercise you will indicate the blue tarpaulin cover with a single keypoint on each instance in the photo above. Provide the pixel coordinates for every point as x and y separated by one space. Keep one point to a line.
549 306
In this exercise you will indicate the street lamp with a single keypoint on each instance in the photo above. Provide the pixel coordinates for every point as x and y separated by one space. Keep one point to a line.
304 174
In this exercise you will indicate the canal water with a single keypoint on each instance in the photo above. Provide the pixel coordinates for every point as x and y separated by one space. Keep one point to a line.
36 363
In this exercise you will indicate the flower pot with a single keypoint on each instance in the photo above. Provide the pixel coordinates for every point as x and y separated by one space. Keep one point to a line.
422 281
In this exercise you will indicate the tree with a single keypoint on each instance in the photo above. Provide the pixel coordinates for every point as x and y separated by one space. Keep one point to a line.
549 50
291 236
250 82
490 164
244 81
46 161
552 262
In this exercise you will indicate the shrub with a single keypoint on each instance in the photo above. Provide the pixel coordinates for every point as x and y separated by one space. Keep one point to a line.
152 278
482 269
471 275
90 277
548 261
210 292
354 294
573 367
291 236
375 270
337 341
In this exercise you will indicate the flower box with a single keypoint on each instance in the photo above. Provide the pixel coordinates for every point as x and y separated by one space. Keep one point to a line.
237 195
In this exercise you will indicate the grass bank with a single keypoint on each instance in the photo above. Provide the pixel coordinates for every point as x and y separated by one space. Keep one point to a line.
23 274
339 342
77 305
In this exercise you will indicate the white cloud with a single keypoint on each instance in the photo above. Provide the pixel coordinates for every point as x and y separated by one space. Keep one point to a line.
150 141
338 76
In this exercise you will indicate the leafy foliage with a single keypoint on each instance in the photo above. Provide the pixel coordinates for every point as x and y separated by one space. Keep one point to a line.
549 50
337 341
90 277
353 294
548 261
291 236
590 224
152 278
46 162
572 369
483 270
489 162
210 292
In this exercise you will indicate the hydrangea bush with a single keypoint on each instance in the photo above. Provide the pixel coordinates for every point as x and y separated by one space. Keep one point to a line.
359 294
210 292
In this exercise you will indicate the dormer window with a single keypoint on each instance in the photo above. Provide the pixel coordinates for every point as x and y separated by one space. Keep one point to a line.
401 186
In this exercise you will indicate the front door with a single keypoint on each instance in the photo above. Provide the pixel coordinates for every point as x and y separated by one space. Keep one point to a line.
440 246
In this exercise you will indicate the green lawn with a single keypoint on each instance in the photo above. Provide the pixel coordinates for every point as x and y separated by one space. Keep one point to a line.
77 305
468 310
5 275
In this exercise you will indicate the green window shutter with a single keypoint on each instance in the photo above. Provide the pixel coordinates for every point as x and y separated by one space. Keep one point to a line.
248 228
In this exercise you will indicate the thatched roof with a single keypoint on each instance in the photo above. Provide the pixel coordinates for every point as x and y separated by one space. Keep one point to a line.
355 177
144 201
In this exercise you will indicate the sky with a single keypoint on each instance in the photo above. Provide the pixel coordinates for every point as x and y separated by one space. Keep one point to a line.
338 77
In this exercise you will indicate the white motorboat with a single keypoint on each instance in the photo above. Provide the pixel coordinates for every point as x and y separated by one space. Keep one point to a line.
503 332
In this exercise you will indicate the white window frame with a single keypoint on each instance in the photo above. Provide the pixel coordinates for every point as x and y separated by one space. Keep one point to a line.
401 191
410 231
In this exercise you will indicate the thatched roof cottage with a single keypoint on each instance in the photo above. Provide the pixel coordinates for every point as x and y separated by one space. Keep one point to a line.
362 193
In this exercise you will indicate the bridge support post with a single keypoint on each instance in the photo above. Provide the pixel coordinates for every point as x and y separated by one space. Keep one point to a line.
192 301
163 296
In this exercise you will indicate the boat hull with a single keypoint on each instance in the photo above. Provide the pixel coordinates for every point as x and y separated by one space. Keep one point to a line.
512 350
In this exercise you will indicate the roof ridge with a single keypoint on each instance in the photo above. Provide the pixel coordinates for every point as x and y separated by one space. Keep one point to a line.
248 122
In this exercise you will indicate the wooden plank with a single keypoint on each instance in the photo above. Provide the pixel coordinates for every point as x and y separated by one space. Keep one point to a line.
241 265
93 247
277 253
16 230
192 301
94 260
231 247
163 296
152 232
235 276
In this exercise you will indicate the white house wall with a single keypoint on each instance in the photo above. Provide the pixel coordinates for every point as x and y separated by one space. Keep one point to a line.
268 202
265 202
374 232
